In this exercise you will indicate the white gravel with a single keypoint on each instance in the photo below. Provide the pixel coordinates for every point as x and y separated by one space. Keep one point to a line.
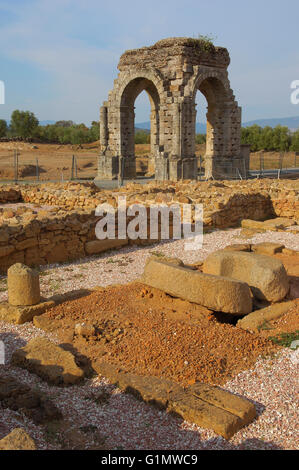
127 264
125 423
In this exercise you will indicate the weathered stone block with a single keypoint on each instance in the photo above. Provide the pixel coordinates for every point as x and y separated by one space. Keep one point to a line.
19 315
214 292
49 361
266 276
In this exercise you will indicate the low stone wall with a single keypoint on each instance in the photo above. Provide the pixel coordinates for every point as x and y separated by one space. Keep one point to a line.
66 230
225 203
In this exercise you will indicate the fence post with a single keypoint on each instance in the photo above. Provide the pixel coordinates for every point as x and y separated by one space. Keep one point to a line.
280 160
37 170
72 171
262 163
16 165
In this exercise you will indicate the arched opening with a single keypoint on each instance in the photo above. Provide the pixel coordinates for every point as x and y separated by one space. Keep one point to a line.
201 131
127 123
214 95
143 137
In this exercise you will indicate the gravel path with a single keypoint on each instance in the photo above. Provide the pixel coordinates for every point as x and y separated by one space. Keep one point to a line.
125 423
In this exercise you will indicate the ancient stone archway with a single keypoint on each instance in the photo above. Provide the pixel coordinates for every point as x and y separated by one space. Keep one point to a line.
171 71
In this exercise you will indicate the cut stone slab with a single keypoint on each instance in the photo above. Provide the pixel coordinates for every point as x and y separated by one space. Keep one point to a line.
238 247
18 439
255 225
97 246
20 315
267 248
49 361
225 400
23 285
247 233
204 405
214 292
279 223
266 276
256 319
205 415
152 390
23 314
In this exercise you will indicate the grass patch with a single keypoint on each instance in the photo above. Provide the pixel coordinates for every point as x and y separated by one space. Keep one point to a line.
159 254
265 326
285 339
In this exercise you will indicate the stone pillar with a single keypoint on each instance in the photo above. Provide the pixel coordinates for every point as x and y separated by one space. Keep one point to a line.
104 127
177 130
154 140
23 285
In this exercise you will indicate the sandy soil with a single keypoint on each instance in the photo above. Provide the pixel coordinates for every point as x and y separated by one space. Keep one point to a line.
146 331
55 161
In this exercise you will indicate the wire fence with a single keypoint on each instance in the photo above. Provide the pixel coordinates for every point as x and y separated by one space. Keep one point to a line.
15 167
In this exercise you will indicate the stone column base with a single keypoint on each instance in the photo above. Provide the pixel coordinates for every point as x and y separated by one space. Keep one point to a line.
182 168
109 167
222 168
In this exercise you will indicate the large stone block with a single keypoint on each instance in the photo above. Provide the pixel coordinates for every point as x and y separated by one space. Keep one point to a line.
23 285
267 248
266 276
215 292
98 246
22 314
49 361
256 319
204 405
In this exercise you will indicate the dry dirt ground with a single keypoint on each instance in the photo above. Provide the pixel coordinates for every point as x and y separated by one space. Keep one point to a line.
55 161
143 329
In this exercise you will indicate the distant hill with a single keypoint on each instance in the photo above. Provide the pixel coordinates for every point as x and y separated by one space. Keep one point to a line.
200 128
292 123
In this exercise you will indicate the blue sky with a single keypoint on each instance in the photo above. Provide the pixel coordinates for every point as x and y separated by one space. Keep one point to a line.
59 58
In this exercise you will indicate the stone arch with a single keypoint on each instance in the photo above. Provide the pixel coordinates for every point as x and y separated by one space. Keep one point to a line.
127 98
171 71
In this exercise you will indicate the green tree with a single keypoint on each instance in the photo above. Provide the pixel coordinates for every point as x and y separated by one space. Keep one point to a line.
295 141
200 138
142 137
23 123
64 123
3 128
94 131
